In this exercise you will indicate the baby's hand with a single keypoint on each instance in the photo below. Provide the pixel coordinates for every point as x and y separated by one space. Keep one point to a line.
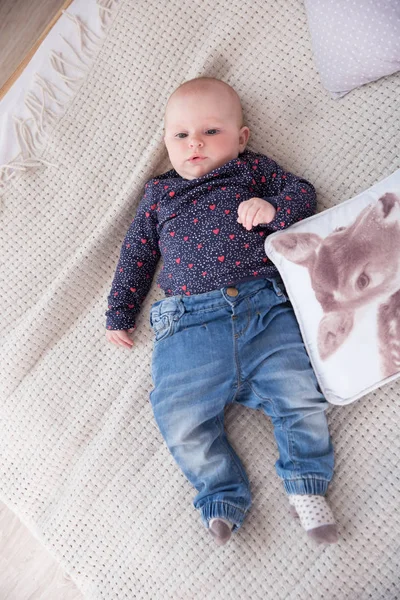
254 212
120 337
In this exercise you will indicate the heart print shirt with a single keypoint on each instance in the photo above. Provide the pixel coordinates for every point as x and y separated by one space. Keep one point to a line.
192 225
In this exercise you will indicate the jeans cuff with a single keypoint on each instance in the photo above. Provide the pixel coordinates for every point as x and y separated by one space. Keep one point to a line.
223 510
307 485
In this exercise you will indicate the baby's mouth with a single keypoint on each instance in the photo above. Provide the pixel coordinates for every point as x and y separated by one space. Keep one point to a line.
196 158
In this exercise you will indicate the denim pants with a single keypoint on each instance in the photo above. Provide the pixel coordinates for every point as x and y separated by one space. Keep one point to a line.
237 344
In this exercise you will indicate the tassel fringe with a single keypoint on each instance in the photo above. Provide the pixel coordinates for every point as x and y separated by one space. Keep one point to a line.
32 133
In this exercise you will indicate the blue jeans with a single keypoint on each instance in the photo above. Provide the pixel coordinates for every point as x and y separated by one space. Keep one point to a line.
240 344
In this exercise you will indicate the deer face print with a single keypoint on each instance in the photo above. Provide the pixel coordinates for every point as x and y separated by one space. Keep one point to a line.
350 267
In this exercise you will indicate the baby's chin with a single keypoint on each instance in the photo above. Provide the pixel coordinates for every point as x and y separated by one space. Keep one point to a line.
194 171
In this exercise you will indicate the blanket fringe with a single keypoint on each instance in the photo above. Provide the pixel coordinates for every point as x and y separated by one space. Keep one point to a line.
32 133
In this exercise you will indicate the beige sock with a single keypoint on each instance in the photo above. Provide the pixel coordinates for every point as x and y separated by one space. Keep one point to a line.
316 517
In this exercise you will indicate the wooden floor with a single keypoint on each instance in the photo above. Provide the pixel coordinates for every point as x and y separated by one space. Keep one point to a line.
27 570
23 24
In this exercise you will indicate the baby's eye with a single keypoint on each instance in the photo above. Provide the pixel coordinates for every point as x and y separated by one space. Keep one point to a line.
181 135
211 131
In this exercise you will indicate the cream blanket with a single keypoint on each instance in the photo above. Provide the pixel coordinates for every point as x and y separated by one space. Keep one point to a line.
83 463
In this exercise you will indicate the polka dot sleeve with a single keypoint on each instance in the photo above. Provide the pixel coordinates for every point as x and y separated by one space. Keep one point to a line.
293 198
136 266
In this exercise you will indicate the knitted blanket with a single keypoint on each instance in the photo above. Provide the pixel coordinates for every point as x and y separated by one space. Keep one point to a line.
82 461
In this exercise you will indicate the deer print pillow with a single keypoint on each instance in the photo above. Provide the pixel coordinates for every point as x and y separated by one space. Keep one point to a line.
341 269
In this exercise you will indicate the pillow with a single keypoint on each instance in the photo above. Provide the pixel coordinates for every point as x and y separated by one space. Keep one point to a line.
341 270
354 42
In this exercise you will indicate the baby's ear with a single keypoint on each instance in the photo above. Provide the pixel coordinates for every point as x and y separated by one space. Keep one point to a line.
244 135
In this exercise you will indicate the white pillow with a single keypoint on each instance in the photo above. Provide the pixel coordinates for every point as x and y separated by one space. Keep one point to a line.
341 270
354 41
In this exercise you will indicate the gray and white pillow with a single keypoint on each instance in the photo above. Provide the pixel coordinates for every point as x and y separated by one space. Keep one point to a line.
354 41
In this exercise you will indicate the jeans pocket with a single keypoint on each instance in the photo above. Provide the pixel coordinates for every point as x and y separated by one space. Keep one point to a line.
161 325
163 322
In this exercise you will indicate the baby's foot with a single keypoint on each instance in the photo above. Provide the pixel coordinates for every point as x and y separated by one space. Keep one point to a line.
221 531
326 534
315 516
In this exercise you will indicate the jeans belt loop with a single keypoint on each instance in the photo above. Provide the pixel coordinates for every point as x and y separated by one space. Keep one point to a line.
277 288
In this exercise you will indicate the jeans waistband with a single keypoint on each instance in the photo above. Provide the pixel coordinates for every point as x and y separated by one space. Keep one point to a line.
216 298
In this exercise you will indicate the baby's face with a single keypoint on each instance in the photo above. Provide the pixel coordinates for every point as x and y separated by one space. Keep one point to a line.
203 131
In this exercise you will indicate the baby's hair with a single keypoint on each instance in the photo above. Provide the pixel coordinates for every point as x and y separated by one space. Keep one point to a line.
204 83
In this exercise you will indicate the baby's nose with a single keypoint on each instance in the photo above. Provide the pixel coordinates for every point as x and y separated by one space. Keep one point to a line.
195 142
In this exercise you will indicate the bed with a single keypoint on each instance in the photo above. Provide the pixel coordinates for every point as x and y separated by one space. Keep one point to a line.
83 464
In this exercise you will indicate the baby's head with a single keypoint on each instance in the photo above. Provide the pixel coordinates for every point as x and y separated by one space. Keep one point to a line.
203 127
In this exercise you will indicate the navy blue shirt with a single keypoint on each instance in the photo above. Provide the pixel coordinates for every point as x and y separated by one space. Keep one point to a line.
192 225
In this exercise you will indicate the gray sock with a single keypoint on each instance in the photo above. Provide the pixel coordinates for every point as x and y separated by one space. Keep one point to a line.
221 530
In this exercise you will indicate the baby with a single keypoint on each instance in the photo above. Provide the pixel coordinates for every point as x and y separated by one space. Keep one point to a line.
226 331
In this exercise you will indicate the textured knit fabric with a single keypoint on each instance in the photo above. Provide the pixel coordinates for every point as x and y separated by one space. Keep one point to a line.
193 225
82 460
